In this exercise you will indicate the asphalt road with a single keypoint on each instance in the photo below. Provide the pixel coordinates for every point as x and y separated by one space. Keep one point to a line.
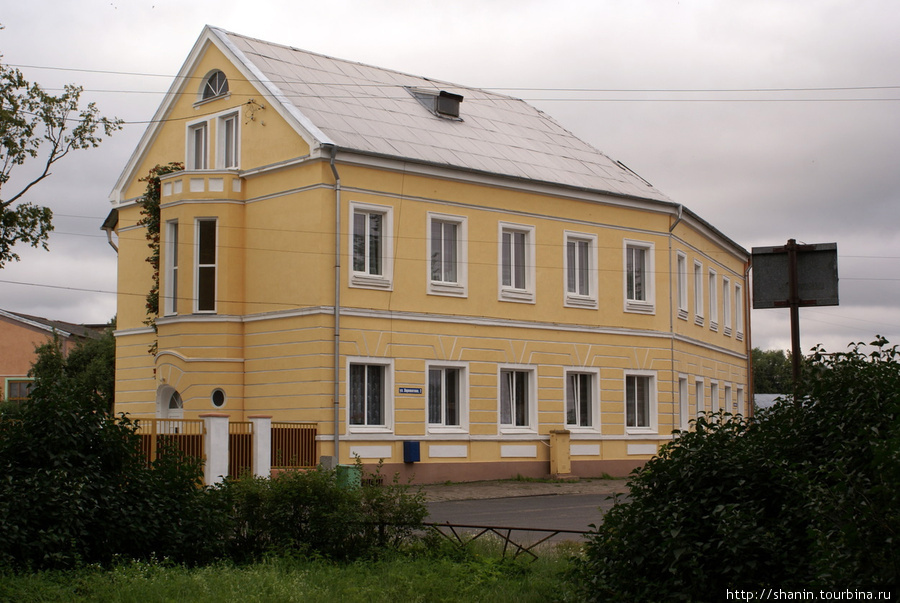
550 512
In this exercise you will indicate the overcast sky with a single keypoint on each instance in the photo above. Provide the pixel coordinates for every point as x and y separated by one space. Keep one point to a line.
770 119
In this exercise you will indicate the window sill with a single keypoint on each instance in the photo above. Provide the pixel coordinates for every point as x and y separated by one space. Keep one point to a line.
367 281
447 289
521 296
445 430
580 301
510 430
640 307
682 314
699 320
368 429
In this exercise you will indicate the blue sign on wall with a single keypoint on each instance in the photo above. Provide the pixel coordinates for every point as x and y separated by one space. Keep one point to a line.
410 390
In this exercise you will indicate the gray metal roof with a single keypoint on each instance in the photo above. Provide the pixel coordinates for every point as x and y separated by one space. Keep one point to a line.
372 110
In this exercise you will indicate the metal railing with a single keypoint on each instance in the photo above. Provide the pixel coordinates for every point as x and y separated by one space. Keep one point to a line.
185 435
463 535
293 445
240 448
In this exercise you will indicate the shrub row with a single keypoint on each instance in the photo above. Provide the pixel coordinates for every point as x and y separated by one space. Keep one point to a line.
74 489
806 494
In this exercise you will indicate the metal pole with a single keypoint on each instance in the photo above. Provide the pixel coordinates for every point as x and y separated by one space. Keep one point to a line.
794 302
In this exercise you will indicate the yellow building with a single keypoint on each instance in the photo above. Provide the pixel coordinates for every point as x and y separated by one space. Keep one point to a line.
498 282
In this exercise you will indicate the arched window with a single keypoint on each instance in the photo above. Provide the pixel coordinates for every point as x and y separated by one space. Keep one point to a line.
169 404
216 84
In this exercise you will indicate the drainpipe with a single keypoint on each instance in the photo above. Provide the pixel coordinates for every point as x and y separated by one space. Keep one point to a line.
337 306
109 225
675 401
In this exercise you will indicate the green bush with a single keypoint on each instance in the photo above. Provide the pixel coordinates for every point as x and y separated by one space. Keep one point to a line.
311 513
803 495
74 488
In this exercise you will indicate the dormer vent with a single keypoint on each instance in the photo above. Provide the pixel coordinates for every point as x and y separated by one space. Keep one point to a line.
443 104
448 103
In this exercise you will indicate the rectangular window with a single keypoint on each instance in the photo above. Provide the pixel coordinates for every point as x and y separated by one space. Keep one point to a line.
171 278
636 273
18 390
371 243
515 404
738 311
516 263
447 274
197 153
726 305
444 251
444 396
713 302
228 150
728 402
580 270
683 403
367 395
638 401
639 295
698 397
740 402
714 397
205 277
682 285
368 229
698 293
580 399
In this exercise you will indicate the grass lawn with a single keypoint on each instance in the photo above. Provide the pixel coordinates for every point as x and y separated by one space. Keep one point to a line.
423 576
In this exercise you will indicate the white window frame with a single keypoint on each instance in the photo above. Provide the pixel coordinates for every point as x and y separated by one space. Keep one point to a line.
681 284
216 93
684 403
698 293
726 306
387 366
699 400
223 145
580 299
739 392
531 400
462 402
739 311
440 286
712 277
510 292
170 282
594 402
727 402
198 266
646 305
652 403
363 278
192 153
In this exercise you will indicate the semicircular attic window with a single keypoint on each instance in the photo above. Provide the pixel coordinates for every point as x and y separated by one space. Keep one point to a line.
216 84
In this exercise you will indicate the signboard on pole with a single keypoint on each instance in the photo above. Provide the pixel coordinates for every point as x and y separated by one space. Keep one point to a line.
817 276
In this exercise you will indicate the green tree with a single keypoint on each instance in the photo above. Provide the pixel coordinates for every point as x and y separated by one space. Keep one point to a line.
772 372
38 127
802 495
89 368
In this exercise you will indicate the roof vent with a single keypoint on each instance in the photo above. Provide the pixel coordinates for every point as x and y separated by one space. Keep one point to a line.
443 104
447 103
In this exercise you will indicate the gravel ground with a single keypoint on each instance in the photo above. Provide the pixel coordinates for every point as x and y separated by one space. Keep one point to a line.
513 488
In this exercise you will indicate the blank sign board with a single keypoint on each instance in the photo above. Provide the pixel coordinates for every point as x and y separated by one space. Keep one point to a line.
817 274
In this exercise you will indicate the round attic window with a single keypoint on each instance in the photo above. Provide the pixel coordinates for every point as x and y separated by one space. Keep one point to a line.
215 85
218 398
